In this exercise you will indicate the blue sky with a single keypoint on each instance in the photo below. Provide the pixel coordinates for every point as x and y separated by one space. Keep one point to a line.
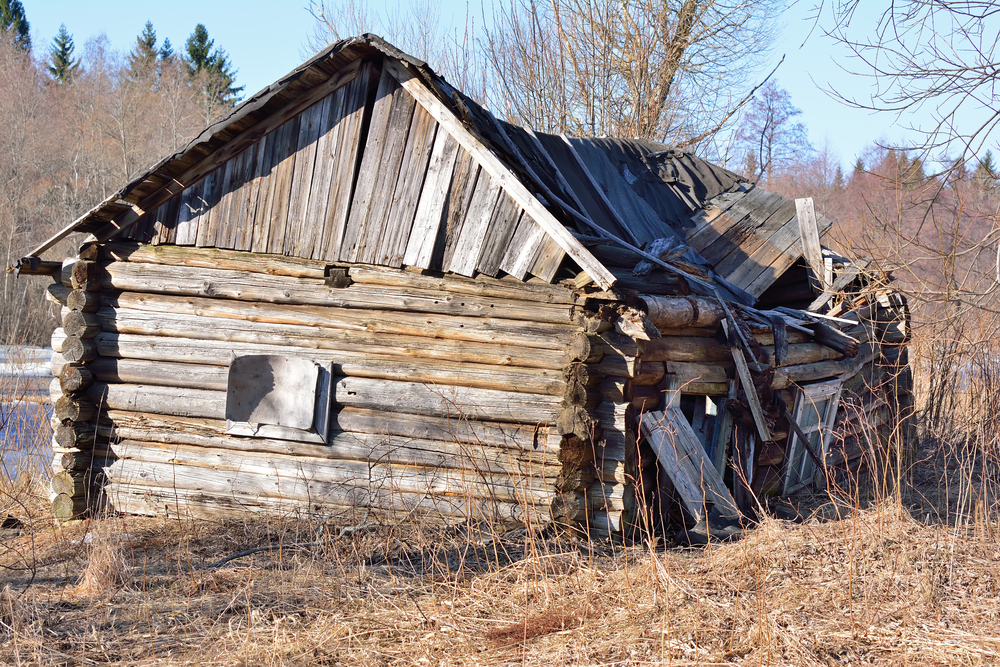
265 42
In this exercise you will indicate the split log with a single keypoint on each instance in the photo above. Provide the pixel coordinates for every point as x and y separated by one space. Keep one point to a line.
146 311
262 288
73 377
675 312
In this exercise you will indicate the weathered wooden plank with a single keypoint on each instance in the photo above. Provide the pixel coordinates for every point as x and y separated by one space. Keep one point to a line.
420 247
261 223
256 178
737 227
524 248
463 187
234 146
348 121
279 195
775 257
324 163
809 231
750 233
370 171
500 173
469 244
237 207
187 215
743 372
549 258
683 458
390 173
310 125
399 222
506 215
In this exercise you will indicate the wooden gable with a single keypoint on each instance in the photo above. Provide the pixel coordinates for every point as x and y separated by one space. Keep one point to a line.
365 173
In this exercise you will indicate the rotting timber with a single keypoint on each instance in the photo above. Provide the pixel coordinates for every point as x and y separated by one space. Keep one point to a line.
485 322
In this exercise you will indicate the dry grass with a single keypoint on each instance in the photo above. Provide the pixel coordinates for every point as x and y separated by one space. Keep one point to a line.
876 587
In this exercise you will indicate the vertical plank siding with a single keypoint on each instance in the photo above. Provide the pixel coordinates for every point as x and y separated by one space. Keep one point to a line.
364 175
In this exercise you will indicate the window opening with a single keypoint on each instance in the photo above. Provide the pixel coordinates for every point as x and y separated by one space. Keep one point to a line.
815 411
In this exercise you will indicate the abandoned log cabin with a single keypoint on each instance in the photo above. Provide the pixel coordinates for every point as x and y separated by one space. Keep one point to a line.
362 292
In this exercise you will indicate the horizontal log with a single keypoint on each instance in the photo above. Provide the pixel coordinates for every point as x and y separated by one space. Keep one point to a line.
174 501
80 324
620 367
57 293
71 459
81 274
842 368
58 363
411 397
687 373
543 441
86 302
216 346
39 267
276 265
650 373
262 288
351 364
618 344
78 350
618 390
667 312
305 478
315 322
72 435
74 377
586 348
58 338
66 507
74 408
834 338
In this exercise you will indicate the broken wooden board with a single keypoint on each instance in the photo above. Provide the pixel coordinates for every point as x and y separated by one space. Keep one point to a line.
683 458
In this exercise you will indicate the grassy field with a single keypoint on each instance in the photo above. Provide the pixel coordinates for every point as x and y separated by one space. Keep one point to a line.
845 586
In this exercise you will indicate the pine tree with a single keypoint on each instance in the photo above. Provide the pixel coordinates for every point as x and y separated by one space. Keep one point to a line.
838 179
212 67
62 66
14 22
986 173
859 167
143 55
166 51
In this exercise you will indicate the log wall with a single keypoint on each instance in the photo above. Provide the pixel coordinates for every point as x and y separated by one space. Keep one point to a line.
452 396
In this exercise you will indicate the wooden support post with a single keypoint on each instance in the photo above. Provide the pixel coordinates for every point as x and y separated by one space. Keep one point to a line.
809 230
743 371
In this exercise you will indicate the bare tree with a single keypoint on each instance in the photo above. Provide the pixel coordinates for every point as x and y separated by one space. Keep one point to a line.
936 56
668 70
771 138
